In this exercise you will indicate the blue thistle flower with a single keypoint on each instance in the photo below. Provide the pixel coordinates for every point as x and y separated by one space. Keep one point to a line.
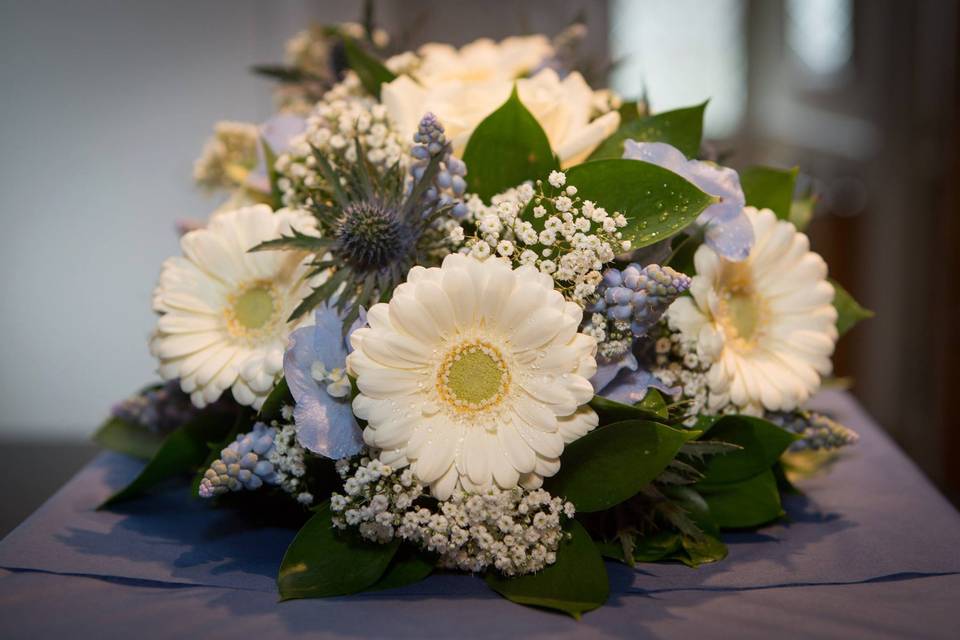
243 464
374 224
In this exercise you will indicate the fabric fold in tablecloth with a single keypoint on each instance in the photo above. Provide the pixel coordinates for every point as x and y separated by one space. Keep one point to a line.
871 517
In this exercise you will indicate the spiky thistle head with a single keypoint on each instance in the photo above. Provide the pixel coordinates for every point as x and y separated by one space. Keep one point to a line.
371 235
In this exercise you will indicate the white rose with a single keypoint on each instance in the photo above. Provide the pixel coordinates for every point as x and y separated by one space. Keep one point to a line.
562 107
482 60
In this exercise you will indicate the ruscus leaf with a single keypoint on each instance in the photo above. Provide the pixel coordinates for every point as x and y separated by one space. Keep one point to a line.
849 311
508 148
769 188
681 128
181 452
322 562
656 202
612 463
761 445
576 583
749 503
132 439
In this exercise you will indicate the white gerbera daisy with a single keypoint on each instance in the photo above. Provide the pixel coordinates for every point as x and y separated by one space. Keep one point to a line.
766 323
474 374
223 311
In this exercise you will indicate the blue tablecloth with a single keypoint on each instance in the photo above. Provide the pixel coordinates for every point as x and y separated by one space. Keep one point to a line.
871 550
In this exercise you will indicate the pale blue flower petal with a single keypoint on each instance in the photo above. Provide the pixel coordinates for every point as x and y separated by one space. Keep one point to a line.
607 372
325 424
733 243
630 387
731 239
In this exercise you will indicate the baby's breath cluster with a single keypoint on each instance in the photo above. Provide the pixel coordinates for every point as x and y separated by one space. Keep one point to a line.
567 238
343 115
677 364
515 531
228 156
287 458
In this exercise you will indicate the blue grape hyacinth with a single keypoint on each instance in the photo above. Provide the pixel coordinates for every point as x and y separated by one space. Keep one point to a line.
639 295
243 464
448 185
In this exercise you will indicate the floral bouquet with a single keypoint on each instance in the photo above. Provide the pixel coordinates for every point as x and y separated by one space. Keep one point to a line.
462 312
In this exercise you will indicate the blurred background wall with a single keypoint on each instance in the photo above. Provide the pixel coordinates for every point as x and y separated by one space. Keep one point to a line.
105 104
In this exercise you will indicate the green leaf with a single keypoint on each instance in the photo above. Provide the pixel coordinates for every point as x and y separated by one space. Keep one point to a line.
681 128
629 112
654 403
407 567
281 73
762 445
276 399
576 583
698 551
296 241
657 546
769 188
611 464
181 452
132 439
849 311
506 149
656 202
611 411
372 72
801 211
321 562
749 503
270 160
706 547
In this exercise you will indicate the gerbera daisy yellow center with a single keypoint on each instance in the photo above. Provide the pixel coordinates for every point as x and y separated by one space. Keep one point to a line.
252 308
742 312
473 376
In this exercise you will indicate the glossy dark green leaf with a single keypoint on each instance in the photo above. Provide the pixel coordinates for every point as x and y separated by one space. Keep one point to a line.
656 202
612 463
277 398
849 311
681 128
372 72
739 505
132 439
508 148
322 562
611 411
576 583
769 188
181 452
762 443
408 566
654 403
